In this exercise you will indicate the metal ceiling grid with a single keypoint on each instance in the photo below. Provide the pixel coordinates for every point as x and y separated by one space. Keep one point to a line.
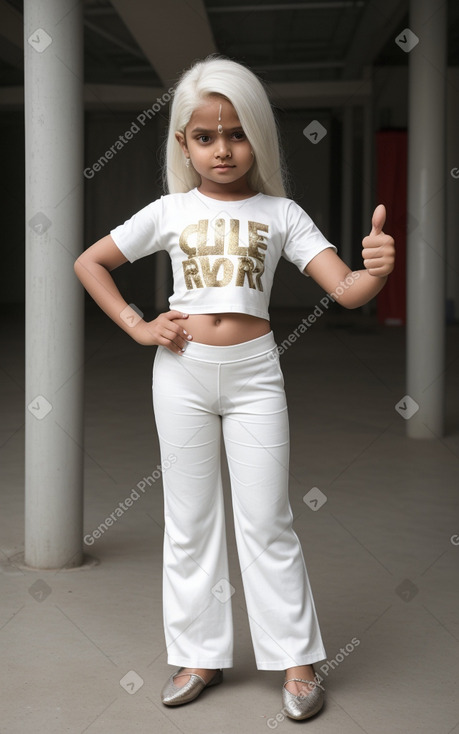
326 40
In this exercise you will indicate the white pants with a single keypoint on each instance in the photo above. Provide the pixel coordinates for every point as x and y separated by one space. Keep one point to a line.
236 390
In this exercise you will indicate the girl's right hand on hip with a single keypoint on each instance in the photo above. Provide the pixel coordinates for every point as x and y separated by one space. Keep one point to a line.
163 331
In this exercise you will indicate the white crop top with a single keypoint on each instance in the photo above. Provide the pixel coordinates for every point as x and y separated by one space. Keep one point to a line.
223 253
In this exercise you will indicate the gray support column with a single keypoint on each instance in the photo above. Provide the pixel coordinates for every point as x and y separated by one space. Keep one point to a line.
53 43
426 210
346 186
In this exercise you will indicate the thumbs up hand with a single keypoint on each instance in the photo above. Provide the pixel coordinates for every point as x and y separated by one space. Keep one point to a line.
378 248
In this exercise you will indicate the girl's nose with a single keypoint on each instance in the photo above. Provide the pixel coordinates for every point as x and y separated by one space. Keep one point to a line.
222 147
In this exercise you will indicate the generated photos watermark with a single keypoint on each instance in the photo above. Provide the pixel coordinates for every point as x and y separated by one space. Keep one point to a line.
314 132
39 407
308 321
223 590
329 665
129 134
407 407
131 682
407 40
127 503
39 40
314 499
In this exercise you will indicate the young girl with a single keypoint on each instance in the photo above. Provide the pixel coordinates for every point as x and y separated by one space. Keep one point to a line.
225 223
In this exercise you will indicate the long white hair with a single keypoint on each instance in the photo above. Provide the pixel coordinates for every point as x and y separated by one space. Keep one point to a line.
217 74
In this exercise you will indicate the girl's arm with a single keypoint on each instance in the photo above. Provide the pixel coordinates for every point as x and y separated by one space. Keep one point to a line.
93 269
354 289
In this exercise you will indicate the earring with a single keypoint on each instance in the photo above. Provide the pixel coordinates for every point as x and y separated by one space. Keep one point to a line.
187 162
252 152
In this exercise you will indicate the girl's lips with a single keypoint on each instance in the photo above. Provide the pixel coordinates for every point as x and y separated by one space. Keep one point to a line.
223 166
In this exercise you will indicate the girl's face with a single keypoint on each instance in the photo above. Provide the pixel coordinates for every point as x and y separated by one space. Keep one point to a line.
217 145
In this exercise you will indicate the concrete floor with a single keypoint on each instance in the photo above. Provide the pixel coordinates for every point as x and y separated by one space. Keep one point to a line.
382 564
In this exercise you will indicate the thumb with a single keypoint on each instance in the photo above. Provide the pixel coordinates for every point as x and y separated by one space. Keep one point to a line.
378 219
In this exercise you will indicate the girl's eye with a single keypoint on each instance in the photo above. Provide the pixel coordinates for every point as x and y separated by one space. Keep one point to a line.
240 135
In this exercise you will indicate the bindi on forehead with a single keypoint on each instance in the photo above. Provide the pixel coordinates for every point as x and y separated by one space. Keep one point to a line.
202 118
220 127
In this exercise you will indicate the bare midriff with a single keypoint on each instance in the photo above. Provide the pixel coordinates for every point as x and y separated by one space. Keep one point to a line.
223 329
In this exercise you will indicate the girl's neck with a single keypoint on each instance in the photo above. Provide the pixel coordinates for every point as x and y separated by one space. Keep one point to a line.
226 192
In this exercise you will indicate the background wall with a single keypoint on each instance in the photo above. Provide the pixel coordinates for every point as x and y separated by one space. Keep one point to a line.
12 207
132 178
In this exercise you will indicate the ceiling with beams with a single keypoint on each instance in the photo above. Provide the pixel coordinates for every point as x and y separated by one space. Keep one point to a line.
281 41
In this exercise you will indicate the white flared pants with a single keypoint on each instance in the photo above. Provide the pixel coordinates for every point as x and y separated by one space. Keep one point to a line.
237 391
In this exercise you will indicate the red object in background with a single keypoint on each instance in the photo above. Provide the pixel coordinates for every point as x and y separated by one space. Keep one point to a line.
391 176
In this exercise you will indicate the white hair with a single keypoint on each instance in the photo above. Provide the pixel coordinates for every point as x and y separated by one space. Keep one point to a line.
217 75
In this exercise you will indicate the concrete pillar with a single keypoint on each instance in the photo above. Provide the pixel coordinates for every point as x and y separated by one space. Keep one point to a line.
347 166
426 210
53 46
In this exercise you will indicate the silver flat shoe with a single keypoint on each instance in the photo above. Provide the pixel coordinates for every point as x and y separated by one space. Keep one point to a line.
302 706
173 695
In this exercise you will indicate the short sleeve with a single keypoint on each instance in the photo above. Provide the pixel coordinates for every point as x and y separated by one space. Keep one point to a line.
303 239
141 234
